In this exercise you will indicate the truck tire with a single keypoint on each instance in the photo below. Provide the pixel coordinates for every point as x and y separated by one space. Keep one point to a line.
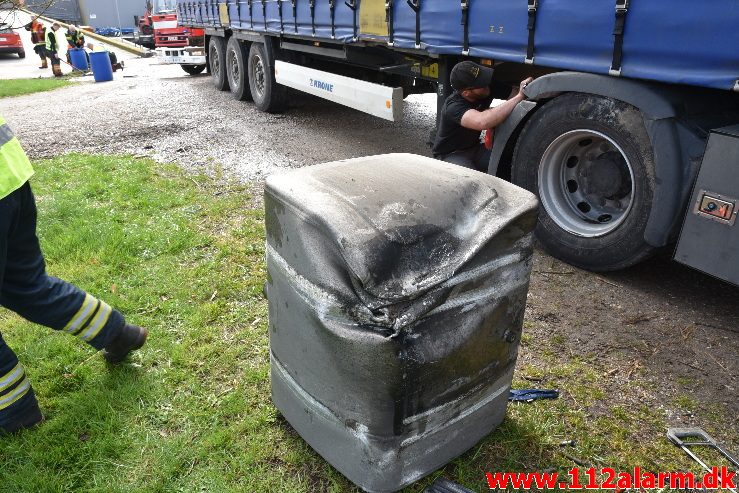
590 162
193 69
236 68
267 94
217 60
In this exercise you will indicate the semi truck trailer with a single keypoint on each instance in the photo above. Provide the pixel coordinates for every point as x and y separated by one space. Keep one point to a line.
629 135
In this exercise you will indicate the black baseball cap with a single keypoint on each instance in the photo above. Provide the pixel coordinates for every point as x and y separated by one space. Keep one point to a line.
470 75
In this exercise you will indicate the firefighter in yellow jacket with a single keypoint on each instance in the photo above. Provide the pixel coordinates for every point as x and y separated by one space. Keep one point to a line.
52 49
75 39
26 289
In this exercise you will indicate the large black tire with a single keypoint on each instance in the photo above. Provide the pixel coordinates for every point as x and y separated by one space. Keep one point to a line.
236 68
193 69
217 60
21 54
267 94
590 161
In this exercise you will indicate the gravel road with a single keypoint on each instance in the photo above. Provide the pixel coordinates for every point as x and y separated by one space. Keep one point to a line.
160 111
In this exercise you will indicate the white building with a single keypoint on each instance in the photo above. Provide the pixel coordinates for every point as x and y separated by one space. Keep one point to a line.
95 13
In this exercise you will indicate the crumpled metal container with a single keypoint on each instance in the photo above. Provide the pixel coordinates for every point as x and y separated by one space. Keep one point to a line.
397 287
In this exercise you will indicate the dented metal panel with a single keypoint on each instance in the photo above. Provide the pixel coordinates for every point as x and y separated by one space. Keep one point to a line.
397 286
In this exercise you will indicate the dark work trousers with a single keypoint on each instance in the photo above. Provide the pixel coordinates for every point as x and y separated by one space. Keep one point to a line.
40 51
26 289
476 157
53 56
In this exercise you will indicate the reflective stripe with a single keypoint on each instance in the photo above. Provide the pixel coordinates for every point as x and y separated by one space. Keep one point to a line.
80 318
16 394
11 378
6 135
97 323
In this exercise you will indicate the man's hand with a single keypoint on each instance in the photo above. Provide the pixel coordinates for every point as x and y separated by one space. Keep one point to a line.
521 96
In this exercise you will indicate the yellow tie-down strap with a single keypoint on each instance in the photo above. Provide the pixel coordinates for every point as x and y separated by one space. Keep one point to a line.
372 18
223 13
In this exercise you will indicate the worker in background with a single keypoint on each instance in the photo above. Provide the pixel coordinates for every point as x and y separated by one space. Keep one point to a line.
52 49
38 38
75 39
467 112
26 289
114 63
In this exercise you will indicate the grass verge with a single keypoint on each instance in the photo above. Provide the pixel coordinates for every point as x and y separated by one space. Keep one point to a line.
184 256
18 87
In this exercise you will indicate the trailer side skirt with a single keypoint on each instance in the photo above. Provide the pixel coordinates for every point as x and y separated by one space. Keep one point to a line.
375 99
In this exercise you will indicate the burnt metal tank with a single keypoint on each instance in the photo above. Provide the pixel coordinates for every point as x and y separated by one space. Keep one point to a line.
397 286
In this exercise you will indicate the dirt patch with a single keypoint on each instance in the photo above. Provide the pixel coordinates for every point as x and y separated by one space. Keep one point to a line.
659 323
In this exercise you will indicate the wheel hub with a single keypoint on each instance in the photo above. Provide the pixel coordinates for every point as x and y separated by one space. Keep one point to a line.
259 74
586 183
603 176
234 67
215 62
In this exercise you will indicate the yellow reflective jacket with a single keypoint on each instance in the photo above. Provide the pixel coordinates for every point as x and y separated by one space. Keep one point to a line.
76 40
15 168
51 41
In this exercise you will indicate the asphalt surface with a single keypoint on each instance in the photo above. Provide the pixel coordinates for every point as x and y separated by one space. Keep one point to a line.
12 67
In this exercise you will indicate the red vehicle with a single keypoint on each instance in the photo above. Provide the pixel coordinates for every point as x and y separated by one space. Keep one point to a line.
160 21
10 41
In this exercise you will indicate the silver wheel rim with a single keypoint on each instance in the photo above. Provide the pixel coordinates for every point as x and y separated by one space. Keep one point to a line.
586 183
259 74
234 64
215 62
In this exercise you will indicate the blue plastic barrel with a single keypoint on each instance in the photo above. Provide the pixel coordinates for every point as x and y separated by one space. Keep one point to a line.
78 57
102 70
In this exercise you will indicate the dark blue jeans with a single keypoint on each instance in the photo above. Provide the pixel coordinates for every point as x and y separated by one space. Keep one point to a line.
26 289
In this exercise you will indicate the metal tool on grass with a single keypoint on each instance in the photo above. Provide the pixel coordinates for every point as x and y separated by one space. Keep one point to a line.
530 395
443 485
681 437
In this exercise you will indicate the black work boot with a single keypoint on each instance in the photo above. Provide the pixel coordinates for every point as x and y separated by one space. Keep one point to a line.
21 415
130 338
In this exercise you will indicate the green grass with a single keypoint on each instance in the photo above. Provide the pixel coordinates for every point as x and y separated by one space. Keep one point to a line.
191 412
18 87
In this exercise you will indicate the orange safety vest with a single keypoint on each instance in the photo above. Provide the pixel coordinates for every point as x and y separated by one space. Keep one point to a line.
38 33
